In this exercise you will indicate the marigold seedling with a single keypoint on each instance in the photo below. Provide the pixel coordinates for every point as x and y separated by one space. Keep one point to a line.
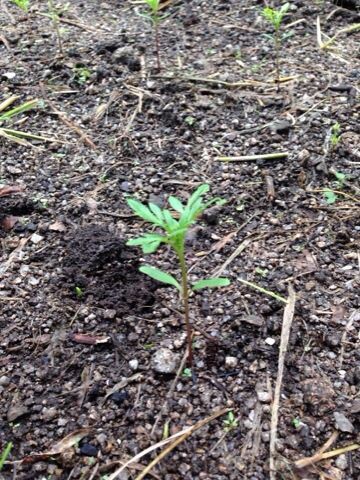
275 17
153 15
335 134
230 423
174 230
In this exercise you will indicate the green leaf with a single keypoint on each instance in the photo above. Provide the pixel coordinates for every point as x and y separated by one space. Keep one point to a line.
157 212
149 242
176 204
211 283
160 276
330 196
153 4
143 211
171 223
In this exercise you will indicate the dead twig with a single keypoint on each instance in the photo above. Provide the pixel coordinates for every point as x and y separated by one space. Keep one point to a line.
245 158
285 334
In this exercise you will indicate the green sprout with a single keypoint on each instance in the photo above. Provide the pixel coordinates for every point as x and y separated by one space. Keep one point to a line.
4 454
153 15
189 120
329 196
275 17
187 373
79 292
296 423
230 423
81 74
23 4
174 235
335 134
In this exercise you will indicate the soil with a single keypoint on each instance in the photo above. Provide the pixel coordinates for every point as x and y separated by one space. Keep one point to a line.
80 325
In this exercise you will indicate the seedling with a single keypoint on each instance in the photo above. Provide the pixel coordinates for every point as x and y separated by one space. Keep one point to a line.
174 234
81 75
79 292
335 134
230 423
23 4
54 16
296 423
187 373
275 17
4 454
153 15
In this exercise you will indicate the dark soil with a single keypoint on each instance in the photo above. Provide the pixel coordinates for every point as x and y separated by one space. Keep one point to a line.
80 325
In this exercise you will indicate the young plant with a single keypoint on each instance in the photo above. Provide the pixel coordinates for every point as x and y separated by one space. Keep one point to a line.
53 14
174 229
23 4
230 423
275 17
335 134
4 454
153 15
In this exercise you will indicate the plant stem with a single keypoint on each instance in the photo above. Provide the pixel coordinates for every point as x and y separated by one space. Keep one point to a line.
277 50
157 46
185 299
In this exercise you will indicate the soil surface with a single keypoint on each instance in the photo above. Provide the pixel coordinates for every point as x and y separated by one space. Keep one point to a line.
81 327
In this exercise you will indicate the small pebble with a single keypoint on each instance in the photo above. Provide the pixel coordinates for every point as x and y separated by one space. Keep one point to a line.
270 341
88 450
342 423
231 362
165 361
134 364
264 397
341 462
119 397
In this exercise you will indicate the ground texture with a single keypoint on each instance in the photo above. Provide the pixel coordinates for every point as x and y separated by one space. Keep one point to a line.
80 325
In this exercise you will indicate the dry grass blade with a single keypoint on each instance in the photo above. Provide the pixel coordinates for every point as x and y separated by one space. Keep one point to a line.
182 435
285 334
323 455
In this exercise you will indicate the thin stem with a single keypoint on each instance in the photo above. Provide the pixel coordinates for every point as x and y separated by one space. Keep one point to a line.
55 21
277 50
157 45
185 299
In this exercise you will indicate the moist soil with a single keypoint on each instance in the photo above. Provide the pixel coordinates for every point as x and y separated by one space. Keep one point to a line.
80 325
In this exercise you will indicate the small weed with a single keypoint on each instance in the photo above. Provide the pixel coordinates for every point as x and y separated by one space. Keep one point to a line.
262 272
187 373
4 454
335 135
329 196
174 230
79 292
341 179
296 423
148 346
23 4
81 75
190 121
230 423
275 18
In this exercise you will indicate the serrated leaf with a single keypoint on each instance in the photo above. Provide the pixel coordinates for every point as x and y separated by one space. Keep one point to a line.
157 212
151 247
143 211
171 223
149 242
160 276
211 283
176 204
